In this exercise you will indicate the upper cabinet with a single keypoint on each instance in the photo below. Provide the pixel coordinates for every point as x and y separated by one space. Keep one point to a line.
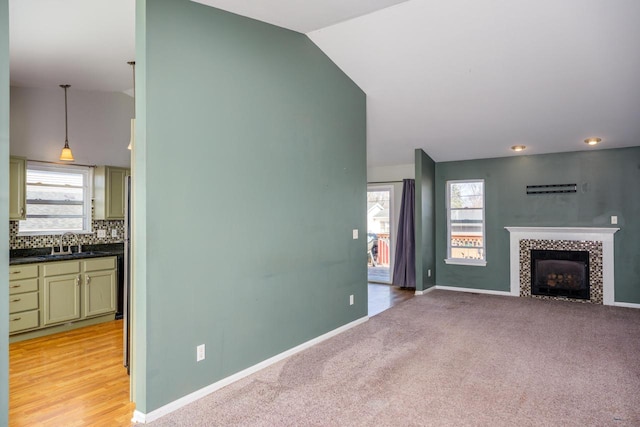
109 192
17 188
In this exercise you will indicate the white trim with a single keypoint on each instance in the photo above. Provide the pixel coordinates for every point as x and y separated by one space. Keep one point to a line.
473 290
597 234
424 291
554 231
87 194
392 218
626 304
139 417
462 261
465 261
505 293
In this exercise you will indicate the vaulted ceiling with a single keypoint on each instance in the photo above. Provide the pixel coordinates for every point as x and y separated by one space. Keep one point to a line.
461 79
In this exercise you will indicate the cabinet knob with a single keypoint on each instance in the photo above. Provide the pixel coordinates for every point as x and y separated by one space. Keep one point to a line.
78 280
15 319
16 300
14 286
16 272
88 279
22 212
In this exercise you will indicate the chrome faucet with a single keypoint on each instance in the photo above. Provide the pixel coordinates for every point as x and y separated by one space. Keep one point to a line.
68 251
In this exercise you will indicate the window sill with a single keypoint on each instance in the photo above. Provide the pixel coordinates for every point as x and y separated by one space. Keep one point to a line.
463 261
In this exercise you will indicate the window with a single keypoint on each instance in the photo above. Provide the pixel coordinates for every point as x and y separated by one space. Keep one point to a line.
58 199
465 222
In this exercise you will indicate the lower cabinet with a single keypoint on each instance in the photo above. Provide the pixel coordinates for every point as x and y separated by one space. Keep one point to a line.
100 280
71 291
61 299
24 298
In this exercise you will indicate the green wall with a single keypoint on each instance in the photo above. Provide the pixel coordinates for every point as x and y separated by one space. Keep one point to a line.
607 185
4 211
255 166
139 220
425 227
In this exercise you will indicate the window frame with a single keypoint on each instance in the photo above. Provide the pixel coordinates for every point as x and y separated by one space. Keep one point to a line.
465 261
87 187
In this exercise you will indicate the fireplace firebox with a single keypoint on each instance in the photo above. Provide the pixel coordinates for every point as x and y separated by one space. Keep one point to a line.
560 273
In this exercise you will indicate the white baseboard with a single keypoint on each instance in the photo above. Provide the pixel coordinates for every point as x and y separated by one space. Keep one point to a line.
507 293
475 291
626 304
139 417
426 291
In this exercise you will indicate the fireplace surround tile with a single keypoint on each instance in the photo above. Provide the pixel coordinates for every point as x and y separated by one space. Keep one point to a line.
591 235
595 266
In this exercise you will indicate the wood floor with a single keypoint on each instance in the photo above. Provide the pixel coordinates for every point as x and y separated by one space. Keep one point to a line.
70 379
382 297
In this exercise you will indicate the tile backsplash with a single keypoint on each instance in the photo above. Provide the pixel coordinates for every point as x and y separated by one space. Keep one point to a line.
48 240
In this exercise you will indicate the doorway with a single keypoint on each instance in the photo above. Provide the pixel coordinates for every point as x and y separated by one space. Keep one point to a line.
380 217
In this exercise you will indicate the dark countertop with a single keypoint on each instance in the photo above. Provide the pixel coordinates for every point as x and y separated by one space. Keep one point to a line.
35 255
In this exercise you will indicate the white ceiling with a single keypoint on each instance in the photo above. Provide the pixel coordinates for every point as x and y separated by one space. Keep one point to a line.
467 79
84 43
460 79
301 16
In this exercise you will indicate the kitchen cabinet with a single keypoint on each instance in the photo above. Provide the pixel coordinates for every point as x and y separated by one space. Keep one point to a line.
24 301
61 291
72 291
17 188
99 286
109 192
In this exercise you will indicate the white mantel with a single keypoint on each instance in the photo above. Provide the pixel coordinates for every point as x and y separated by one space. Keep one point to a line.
596 234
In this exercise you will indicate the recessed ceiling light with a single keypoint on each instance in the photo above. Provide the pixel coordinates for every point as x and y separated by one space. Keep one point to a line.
592 141
518 147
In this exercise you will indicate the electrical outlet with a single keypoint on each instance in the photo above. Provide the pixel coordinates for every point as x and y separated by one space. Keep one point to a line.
429 273
102 234
614 219
355 233
200 353
114 233
350 299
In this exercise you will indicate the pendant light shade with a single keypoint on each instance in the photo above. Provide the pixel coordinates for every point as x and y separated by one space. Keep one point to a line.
133 121
66 154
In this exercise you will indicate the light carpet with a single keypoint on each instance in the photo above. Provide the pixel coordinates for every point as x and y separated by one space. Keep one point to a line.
449 359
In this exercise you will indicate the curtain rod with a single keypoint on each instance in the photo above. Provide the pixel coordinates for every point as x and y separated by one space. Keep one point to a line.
60 163
384 182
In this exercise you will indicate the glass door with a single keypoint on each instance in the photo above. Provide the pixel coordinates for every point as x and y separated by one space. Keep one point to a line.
379 242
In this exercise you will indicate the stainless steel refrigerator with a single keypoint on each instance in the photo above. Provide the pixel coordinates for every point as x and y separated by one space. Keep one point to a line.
126 291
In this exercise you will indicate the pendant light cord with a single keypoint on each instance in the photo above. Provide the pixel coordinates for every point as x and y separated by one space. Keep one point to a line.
66 121
66 126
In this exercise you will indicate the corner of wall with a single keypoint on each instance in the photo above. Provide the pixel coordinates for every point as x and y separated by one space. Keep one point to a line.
4 208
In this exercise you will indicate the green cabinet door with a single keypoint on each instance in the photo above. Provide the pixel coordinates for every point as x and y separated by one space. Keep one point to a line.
99 293
108 186
17 188
61 298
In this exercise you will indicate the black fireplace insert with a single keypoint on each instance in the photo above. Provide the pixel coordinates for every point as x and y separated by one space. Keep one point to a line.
560 273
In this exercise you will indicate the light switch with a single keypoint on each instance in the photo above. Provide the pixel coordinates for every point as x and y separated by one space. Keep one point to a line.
114 233
102 234
355 233
614 219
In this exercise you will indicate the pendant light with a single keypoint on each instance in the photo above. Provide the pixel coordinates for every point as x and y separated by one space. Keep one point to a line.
66 154
133 121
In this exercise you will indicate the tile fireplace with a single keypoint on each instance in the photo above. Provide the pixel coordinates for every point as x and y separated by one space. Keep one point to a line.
568 263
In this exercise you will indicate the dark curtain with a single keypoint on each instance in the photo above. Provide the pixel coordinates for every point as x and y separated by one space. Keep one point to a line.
404 269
